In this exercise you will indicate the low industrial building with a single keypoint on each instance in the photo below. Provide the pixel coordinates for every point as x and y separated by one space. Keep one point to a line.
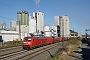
11 35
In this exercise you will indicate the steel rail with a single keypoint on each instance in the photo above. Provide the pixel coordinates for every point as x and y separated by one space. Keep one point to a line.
29 56
9 48
11 55
23 54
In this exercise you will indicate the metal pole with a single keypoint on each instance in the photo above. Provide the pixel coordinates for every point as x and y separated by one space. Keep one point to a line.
77 33
19 31
73 33
62 32
3 34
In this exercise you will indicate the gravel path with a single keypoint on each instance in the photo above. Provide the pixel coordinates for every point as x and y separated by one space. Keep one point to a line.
83 52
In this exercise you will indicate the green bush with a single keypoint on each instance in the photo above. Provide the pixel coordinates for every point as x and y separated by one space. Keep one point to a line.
13 42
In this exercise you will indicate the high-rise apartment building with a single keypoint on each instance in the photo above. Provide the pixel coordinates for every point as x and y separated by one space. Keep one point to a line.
56 20
39 17
23 17
64 26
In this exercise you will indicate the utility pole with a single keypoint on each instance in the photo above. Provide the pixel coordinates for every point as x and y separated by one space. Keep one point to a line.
19 31
77 33
73 33
62 32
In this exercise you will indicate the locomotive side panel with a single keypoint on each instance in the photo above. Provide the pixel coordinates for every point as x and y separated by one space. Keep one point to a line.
49 40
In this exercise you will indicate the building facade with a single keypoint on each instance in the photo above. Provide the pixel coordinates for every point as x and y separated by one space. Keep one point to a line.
56 20
23 29
64 26
32 25
39 17
13 24
11 35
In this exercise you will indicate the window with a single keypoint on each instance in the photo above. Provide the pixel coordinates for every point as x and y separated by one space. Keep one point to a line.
27 38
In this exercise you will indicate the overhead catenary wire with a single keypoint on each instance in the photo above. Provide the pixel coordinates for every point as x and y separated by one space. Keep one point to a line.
12 9
8 6
14 19
7 18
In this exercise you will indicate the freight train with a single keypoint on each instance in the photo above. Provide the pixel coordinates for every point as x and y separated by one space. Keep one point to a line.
31 42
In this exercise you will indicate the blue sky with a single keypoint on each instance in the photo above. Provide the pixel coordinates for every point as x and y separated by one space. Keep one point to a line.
77 10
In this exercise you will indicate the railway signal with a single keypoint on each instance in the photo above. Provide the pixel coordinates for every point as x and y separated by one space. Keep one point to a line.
86 33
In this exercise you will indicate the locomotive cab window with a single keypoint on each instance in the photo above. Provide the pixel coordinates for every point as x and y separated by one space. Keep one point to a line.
27 38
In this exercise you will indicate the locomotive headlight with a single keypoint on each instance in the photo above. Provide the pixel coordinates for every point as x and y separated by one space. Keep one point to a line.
29 43
24 42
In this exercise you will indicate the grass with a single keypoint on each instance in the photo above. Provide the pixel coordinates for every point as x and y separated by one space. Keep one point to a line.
68 48
13 42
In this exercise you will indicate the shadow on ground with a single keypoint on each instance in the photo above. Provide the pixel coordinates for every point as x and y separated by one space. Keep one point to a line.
84 51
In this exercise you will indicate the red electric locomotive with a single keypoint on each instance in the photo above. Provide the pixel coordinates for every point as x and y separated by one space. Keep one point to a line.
35 41
39 40
49 40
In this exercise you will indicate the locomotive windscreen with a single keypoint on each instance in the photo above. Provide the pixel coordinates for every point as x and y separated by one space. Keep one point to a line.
27 38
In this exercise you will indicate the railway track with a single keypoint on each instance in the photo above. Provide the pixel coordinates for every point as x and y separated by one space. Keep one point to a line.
24 54
9 50
8 56
29 56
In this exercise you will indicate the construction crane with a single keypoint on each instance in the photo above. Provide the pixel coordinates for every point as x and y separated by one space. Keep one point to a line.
86 33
